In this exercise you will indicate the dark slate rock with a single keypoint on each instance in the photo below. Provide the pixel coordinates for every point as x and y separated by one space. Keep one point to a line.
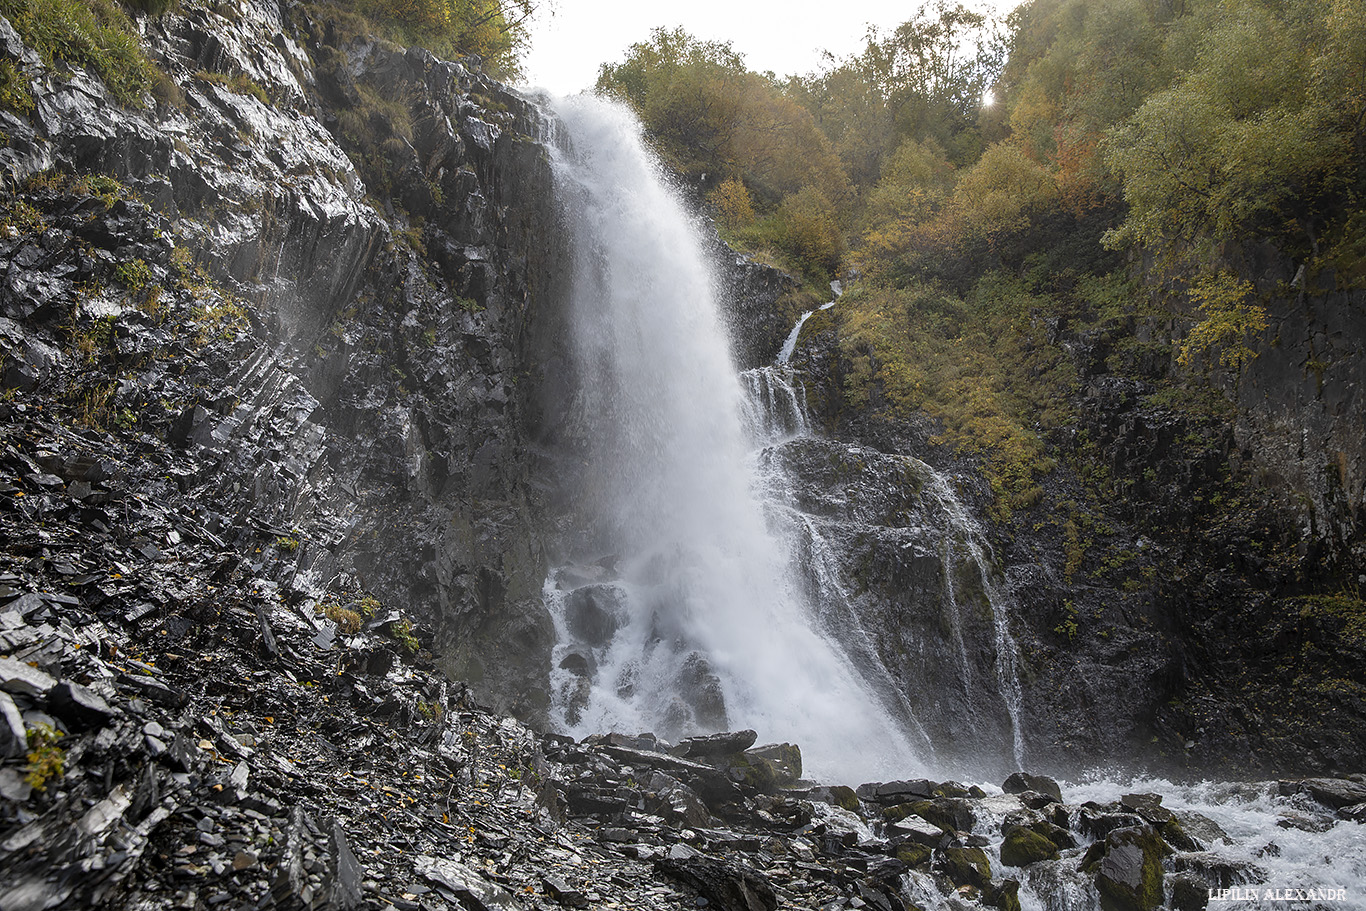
153 689
466 882
836 795
1149 806
1128 868
710 783
1019 782
785 758
1201 829
594 613
577 664
1218 872
902 791
1023 847
952 813
1189 893
590 801
730 887
1331 792
13 737
722 744
183 752
917 831
676 802
13 786
964 866
1003 894
346 871
20 679
79 707
563 893
1098 821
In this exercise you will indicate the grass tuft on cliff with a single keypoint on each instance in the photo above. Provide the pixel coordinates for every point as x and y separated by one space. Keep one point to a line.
981 362
95 34
493 30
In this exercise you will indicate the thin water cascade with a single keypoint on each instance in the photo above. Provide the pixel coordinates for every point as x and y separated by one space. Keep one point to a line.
790 343
774 404
678 614
978 552
968 587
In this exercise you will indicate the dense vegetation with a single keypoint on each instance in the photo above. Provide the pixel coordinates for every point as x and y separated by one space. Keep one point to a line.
986 180
495 30
99 36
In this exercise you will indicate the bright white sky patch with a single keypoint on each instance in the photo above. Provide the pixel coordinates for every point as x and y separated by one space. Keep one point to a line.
571 38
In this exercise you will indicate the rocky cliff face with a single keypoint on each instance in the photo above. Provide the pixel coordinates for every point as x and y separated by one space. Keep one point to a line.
1185 592
328 275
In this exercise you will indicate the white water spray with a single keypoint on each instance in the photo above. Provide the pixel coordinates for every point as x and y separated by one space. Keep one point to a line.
691 621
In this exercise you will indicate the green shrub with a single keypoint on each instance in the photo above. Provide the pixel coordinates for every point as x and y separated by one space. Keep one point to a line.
979 363
15 93
133 274
240 84
46 760
348 621
22 217
151 7
402 632
492 30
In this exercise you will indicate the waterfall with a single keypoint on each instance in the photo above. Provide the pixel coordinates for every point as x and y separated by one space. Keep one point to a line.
679 614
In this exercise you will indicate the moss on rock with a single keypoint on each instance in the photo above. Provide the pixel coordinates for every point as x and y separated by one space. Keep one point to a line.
1023 847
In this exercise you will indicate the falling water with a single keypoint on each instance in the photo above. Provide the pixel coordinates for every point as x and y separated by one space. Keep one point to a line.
790 343
684 617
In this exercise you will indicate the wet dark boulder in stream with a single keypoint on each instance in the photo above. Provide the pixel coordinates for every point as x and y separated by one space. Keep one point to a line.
594 614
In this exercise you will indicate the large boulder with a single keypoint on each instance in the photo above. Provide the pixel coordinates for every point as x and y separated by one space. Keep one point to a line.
785 758
721 744
730 887
1023 847
964 866
1020 782
1128 868
594 613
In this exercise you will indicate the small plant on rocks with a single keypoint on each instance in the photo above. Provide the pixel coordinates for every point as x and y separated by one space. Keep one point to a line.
46 760
403 633
348 621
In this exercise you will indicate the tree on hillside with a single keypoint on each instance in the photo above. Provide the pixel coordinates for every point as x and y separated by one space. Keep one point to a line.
1262 138
923 81
714 120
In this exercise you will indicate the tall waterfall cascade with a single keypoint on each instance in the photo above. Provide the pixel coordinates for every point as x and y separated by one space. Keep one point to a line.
701 594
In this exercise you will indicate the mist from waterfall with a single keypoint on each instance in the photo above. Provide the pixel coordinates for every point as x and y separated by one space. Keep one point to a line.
682 618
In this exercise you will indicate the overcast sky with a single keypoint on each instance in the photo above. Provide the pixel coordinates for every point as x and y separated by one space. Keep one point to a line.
570 38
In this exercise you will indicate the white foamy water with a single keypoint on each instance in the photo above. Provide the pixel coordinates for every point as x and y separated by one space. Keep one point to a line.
699 614
1281 862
